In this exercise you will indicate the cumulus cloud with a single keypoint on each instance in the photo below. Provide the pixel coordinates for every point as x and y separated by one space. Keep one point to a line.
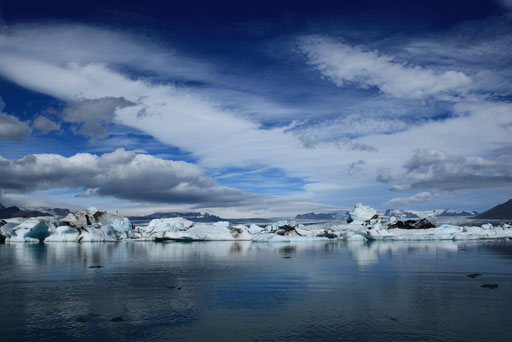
45 125
419 198
434 169
91 115
355 167
174 115
13 129
341 63
221 136
121 174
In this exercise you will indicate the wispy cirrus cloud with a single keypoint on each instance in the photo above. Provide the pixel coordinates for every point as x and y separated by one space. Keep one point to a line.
419 198
409 104
342 63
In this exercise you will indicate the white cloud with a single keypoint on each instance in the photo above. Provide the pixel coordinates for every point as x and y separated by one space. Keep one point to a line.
339 129
341 63
92 115
121 174
419 198
45 125
177 116
13 129
85 66
434 169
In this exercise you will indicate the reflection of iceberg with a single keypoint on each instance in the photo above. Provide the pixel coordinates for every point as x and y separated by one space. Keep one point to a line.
368 253
95 225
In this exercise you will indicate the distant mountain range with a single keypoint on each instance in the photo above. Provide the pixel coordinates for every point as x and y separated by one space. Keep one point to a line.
500 212
10 212
313 216
414 214
191 216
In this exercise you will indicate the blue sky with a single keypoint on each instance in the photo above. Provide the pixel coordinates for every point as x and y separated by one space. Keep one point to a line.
254 108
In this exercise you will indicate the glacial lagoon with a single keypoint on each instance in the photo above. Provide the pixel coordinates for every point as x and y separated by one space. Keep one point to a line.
250 291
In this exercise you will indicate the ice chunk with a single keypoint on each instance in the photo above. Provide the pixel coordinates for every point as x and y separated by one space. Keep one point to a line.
181 229
175 223
361 213
34 229
63 234
254 229
93 225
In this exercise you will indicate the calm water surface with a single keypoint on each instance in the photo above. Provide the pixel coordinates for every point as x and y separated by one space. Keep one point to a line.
225 291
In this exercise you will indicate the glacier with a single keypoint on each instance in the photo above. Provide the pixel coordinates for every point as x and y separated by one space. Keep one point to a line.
93 225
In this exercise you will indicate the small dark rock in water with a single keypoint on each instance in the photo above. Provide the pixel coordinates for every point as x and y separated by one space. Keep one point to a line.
96 266
287 257
394 319
117 319
174 287
86 318
490 286
474 275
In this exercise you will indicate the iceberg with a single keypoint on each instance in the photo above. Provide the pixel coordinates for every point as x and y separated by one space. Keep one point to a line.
183 230
96 225
361 213
34 229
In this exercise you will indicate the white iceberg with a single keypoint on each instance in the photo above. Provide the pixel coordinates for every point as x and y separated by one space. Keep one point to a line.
184 230
361 213
91 225
95 225
34 229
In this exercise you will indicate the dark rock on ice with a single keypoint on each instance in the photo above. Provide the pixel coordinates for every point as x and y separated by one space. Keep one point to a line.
235 231
287 229
413 224
2 237
328 234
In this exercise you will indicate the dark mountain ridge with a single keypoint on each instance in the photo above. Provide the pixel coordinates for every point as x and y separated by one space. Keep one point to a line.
500 212
313 216
10 212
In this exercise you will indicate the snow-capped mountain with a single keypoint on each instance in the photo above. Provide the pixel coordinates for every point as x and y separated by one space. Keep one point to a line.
411 214
314 216
9 212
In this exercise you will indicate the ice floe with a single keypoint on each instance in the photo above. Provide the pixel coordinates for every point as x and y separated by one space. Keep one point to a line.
92 225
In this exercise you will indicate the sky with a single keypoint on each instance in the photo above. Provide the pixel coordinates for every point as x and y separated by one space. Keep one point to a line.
255 109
